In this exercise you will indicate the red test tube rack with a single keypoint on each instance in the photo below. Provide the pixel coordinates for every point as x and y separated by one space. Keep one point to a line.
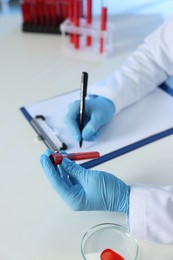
45 16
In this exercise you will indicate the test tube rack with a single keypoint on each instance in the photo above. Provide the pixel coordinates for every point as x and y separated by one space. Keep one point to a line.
45 16
101 40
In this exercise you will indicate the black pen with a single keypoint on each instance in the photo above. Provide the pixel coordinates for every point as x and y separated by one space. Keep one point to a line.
83 93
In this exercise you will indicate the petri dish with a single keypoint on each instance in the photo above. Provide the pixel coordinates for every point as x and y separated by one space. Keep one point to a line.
108 236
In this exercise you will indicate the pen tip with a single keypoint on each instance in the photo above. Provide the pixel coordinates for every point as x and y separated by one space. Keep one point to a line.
80 143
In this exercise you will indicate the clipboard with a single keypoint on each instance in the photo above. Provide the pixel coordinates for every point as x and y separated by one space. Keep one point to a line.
142 123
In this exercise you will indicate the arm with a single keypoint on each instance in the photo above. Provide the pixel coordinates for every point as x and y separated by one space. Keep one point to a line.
151 213
149 66
149 208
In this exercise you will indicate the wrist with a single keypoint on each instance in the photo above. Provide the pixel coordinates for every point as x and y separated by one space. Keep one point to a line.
108 104
128 200
123 205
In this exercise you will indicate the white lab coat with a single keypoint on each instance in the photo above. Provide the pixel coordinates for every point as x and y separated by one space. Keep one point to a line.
151 208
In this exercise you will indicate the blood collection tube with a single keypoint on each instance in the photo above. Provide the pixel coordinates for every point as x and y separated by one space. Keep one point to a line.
89 20
25 6
56 158
71 17
76 17
103 26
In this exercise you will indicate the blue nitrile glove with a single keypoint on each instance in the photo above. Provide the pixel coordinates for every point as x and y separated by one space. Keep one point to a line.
84 189
98 111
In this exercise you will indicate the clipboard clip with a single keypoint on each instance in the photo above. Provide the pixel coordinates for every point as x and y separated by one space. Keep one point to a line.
47 134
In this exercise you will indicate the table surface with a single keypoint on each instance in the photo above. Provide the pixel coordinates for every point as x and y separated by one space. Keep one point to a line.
34 222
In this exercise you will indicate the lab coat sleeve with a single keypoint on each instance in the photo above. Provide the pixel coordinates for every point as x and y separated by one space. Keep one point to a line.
149 66
151 213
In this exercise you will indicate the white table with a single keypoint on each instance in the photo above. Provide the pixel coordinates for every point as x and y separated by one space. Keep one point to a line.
35 224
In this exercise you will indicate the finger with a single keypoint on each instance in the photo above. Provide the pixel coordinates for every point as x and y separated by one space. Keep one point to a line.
65 176
91 130
53 175
75 171
63 152
73 111
74 129
89 137
49 152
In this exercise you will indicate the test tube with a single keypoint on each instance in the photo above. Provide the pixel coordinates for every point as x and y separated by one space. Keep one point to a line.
88 20
76 16
103 25
57 158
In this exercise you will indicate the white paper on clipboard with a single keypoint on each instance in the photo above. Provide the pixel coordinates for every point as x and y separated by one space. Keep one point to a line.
147 118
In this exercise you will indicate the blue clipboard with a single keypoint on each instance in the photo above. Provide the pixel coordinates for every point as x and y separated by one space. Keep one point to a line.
118 152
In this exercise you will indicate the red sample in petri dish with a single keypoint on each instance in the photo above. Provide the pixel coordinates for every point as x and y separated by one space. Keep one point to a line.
109 254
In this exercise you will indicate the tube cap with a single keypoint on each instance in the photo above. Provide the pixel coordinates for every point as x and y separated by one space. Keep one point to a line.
56 158
109 254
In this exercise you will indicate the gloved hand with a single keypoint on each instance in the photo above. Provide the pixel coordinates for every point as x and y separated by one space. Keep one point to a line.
98 111
84 189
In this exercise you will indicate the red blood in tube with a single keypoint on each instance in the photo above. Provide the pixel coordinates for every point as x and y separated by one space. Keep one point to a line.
89 12
70 10
76 22
89 21
103 26
104 19
25 11
71 17
56 158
